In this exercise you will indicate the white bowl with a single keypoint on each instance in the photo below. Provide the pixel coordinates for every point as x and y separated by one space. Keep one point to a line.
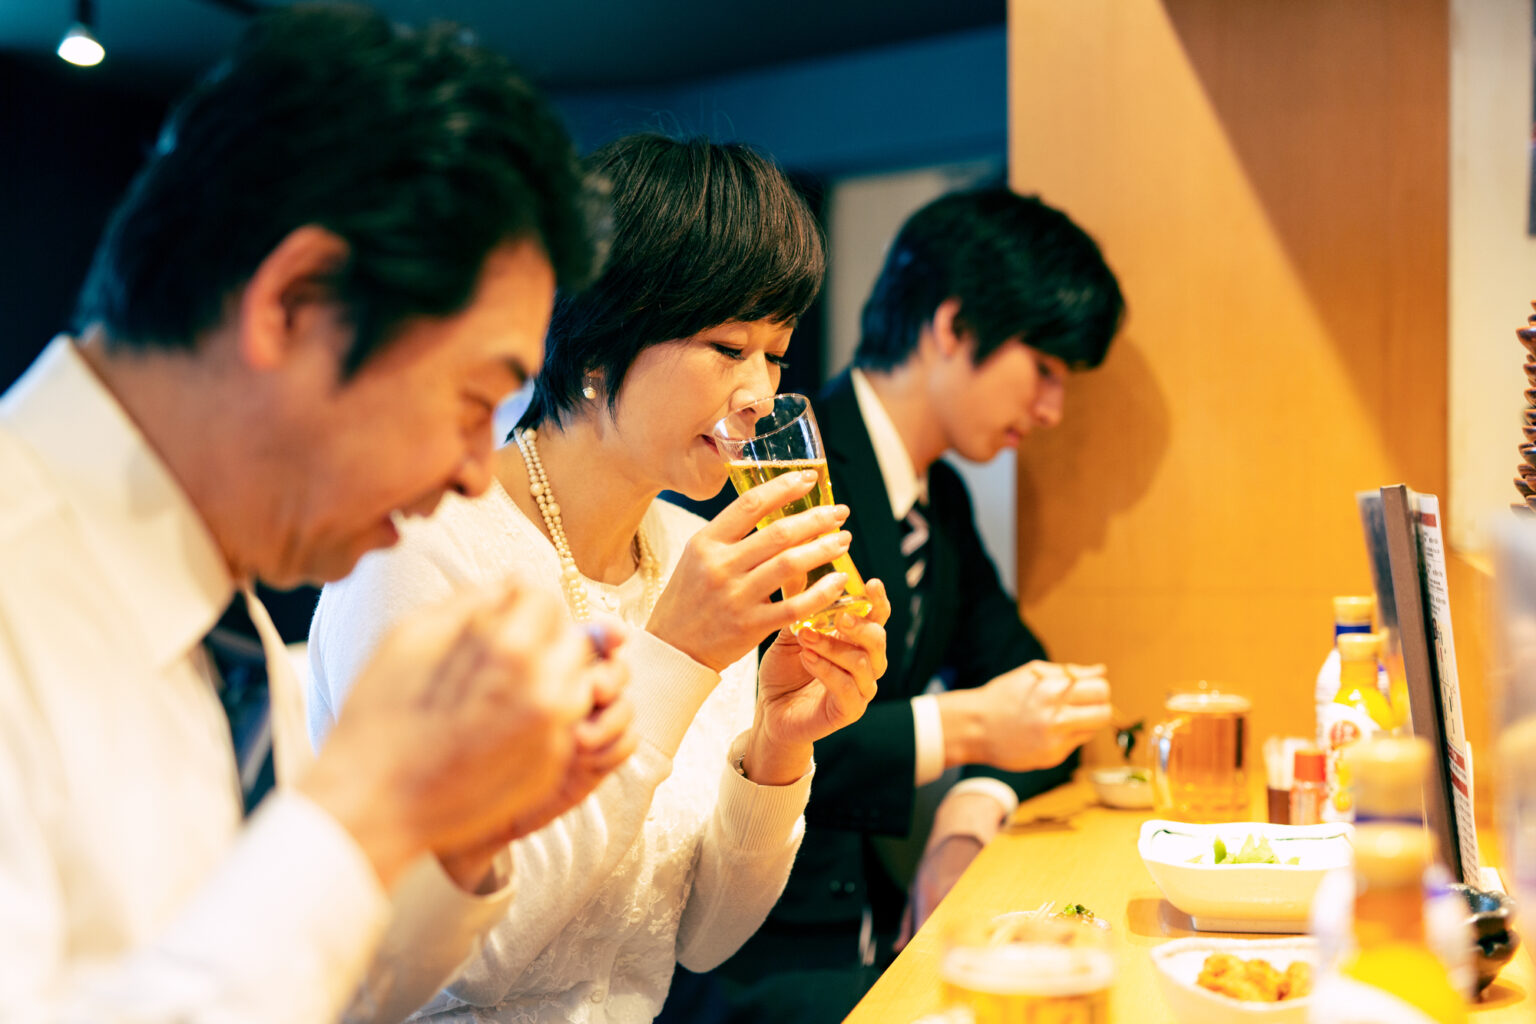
1179 963
1117 787
1242 897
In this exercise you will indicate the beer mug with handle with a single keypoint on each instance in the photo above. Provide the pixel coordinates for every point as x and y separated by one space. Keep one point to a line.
1199 756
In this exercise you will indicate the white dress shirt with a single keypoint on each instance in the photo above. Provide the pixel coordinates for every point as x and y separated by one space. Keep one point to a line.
906 487
129 890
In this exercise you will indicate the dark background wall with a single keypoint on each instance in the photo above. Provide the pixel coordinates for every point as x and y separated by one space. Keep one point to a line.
72 138
70 141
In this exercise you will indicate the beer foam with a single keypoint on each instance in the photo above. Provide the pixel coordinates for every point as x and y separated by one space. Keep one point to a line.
1230 703
1035 969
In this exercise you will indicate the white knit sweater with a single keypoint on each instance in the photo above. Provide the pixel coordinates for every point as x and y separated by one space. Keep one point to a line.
673 858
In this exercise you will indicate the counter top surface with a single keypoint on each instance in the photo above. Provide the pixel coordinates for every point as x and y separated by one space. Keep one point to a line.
1063 846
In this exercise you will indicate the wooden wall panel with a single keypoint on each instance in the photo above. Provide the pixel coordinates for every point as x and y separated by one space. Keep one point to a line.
1269 180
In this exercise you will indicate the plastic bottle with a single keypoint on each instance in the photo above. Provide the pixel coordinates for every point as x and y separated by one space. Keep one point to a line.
1388 970
1309 786
1358 711
1350 615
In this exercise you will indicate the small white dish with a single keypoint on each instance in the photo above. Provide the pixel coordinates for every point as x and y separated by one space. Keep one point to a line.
1272 898
1180 961
1125 788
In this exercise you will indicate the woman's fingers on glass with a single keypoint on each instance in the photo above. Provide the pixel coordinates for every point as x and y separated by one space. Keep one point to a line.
819 552
810 601
789 570
868 637
788 533
879 601
852 657
739 518
848 692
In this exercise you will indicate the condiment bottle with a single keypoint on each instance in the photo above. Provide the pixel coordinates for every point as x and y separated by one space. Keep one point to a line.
1358 711
1309 786
1389 971
1350 615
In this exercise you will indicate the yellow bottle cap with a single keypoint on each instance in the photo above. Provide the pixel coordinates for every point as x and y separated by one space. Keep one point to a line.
1354 611
1359 646
1387 774
1392 854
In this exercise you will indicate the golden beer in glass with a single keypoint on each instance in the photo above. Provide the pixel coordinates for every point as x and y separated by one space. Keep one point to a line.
773 436
1047 972
1199 757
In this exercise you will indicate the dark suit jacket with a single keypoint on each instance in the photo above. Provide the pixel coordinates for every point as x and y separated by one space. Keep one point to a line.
970 633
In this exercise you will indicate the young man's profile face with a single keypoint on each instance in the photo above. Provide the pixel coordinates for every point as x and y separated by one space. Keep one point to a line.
988 407
413 423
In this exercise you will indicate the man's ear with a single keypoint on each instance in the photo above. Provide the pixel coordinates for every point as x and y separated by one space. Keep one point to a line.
286 294
949 332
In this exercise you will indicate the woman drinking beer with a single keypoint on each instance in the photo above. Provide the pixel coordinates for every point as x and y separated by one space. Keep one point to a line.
679 854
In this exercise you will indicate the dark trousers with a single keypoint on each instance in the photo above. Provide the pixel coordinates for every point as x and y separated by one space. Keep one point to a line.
816 978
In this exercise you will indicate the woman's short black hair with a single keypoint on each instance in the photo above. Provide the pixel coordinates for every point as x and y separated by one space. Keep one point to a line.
422 150
1020 268
702 234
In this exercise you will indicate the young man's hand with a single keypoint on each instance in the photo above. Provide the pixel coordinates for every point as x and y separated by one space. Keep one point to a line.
1029 718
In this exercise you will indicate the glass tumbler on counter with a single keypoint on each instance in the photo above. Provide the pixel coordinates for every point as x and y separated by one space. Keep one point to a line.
1514 704
772 436
1199 756
1022 969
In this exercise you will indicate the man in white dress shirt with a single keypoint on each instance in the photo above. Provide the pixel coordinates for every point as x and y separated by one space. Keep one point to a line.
340 257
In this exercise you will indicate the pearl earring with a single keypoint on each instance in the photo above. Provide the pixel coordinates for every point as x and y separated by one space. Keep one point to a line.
588 391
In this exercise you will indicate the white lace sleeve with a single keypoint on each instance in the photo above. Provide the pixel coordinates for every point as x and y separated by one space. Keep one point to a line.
559 867
744 860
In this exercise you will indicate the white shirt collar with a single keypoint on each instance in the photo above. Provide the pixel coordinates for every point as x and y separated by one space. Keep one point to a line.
153 547
902 484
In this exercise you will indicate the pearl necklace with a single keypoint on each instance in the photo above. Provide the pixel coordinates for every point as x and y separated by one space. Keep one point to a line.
570 577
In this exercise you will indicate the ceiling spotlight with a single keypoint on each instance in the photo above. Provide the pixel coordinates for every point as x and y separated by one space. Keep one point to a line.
79 45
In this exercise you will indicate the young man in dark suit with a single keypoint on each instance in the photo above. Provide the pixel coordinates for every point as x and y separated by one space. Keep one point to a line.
986 302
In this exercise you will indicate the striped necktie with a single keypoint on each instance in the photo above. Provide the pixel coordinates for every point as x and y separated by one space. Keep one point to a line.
241 667
263 700
914 545
914 552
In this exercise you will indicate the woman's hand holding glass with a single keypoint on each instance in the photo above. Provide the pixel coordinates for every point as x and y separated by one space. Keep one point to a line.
811 684
719 603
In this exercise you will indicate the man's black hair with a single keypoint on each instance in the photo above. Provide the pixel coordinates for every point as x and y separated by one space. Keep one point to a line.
702 234
1020 269
421 149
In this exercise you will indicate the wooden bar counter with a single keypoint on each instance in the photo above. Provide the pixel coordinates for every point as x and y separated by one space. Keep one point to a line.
1063 846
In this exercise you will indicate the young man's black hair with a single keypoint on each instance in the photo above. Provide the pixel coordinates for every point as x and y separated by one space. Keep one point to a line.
1021 269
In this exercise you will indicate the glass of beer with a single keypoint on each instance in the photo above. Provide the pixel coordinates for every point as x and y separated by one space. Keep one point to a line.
1023 969
1514 704
1199 756
769 437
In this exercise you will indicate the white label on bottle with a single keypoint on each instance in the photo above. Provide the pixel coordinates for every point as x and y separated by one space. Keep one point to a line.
1339 726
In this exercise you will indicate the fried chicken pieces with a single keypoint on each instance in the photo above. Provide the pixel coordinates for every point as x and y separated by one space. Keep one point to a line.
1254 980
